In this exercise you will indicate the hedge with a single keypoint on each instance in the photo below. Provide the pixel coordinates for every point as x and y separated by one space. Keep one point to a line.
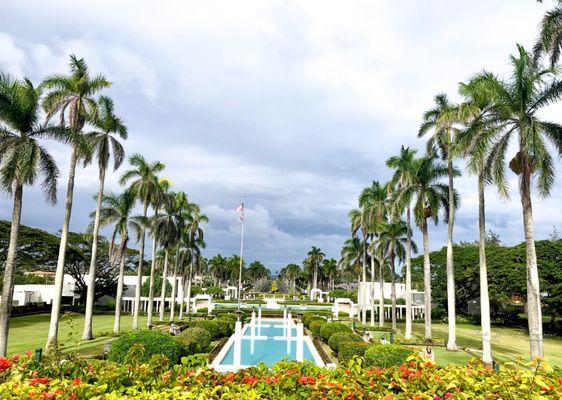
226 326
348 350
311 318
210 326
153 343
194 340
332 327
316 326
387 355
337 338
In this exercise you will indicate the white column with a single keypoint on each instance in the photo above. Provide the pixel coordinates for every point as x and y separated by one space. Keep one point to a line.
237 344
288 336
259 320
284 322
300 342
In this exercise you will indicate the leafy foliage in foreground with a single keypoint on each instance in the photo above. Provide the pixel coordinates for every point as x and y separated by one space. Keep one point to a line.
25 378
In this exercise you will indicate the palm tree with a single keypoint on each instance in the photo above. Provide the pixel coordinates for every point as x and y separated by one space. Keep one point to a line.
403 166
441 120
291 272
330 272
429 196
145 185
158 198
108 126
256 271
550 36
373 200
217 268
315 257
182 209
351 257
117 210
72 97
359 224
516 104
22 162
195 241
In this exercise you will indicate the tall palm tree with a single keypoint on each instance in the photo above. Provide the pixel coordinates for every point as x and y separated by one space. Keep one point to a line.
373 200
195 238
403 165
430 196
23 160
351 257
145 185
330 272
394 236
117 210
359 224
441 121
72 97
315 257
108 125
517 103
158 198
256 271
217 269
182 209
291 272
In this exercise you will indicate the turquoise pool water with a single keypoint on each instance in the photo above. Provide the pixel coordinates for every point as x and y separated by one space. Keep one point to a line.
267 350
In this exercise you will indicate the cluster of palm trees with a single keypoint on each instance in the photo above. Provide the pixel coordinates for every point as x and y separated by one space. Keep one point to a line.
317 272
494 114
66 108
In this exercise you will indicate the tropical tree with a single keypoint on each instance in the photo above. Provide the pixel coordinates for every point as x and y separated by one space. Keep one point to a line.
194 239
117 210
290 273
550 36
359 225
181 210
23 160
330 271
430 196
145 186
517 103
256 271
109 127
218 269
404 168
351 257
72 98
441 121
315 257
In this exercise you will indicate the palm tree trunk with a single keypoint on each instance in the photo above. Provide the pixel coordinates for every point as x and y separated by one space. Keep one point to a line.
188 305
9 271
150 307
182 298
164 284
451 312
484 296
408 331
426 281
139 272
88 334
381 295
175 285
372 296
393 289
534 312
120 284
364 289
59 275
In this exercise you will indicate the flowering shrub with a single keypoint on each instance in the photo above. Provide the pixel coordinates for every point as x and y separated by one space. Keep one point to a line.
23 378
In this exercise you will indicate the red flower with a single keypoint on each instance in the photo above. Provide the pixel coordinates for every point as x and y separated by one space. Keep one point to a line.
229 377
28 353
77 381
47 395
37 381
15 358
448 395
249 380
4 364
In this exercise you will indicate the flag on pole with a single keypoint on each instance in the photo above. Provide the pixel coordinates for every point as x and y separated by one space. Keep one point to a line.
240 211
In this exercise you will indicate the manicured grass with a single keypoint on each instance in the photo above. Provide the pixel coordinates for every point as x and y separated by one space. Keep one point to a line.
508 344
30 332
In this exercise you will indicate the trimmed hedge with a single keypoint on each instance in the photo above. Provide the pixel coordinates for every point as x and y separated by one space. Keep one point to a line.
333 327
348 350
194 340
315 327
226 326
210 326
306 321
387 355
153 342
337 338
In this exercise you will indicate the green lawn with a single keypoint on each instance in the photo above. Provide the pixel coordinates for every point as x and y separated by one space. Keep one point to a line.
508 344
30 332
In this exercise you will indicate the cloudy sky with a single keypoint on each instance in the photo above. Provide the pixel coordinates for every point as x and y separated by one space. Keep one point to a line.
293 105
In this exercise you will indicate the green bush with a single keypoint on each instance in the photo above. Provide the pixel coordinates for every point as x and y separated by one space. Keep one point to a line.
226 326
315 327
153 342
210 326
310 319
337 338
194 340
348 350
229 316
387 355
333 327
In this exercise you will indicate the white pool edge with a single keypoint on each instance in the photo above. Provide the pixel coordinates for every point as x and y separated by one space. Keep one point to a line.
216 364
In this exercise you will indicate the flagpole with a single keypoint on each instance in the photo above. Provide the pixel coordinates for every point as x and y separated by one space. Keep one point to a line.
241 258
